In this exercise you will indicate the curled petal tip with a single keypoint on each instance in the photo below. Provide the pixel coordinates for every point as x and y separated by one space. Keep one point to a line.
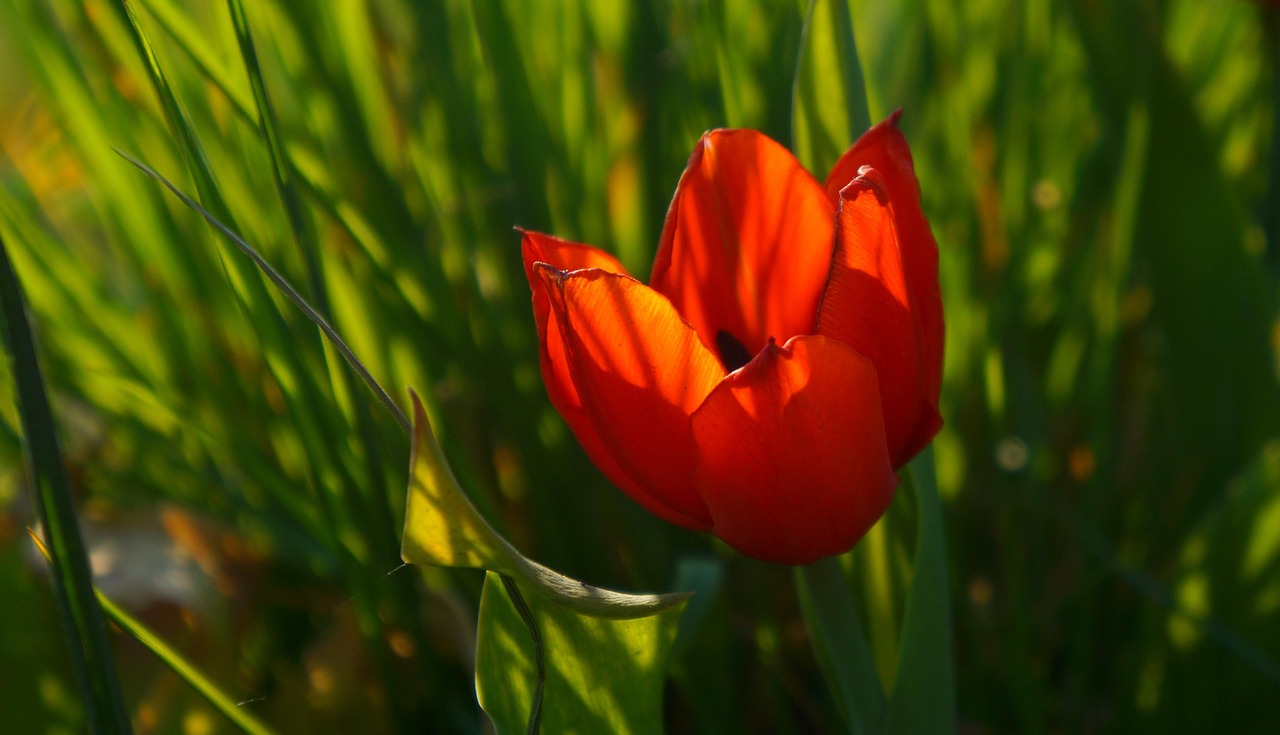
563 255
549 273
868 179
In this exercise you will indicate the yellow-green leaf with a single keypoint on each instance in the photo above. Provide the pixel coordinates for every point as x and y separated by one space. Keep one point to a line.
443 528
602 675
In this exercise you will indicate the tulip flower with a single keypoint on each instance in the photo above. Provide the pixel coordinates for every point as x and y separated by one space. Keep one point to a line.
784 360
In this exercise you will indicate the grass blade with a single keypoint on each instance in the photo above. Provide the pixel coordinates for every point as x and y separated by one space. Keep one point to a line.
289 291
174 660
829 97
285 176
282 170
82 620
184 669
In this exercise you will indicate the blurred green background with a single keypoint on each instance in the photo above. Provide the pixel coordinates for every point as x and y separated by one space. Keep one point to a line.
1098 175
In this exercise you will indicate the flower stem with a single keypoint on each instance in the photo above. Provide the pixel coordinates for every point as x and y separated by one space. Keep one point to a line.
837 637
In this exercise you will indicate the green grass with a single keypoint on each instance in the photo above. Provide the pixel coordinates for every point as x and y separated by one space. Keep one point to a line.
1095 175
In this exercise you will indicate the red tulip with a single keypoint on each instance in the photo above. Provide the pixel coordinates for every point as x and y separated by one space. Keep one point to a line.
784 359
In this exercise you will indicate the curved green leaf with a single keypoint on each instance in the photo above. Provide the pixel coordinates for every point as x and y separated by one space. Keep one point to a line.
602 675
443 528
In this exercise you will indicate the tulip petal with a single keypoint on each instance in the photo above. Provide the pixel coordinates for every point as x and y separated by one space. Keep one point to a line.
885 149
566 256
868 304
639 371
746 243
794 462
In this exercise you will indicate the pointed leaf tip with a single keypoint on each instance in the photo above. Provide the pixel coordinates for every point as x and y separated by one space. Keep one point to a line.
443 528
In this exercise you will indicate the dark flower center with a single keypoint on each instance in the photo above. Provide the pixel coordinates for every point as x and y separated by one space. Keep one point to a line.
733 354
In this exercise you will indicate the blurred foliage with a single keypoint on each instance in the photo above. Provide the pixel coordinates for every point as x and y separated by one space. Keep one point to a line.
1095 174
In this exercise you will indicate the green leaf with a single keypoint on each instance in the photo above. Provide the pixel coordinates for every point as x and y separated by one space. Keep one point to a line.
443 528
879 569
82 621
602 675
597 656
841 644
703 576
923 699
829 98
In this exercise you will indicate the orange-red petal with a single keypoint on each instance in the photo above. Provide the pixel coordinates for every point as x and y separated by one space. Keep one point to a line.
746 242
639 372
794 464
885 149
566 256
869 305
